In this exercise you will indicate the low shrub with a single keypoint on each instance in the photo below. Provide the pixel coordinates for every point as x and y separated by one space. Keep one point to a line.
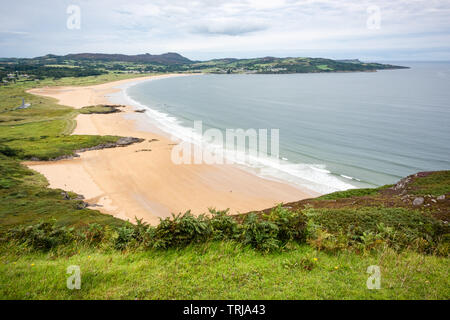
42 236
332 230
93 234
291 224
260 234
224 226
7 151
367 228
124 237
181 230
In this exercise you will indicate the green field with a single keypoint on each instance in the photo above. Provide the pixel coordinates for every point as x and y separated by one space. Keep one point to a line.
310 249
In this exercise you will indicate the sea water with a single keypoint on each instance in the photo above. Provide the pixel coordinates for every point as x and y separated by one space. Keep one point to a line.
336 130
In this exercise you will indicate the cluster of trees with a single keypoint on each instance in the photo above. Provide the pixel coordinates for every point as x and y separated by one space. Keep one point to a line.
3 75
41 72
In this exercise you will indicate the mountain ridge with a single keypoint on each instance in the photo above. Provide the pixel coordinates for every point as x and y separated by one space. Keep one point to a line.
94 64
165 58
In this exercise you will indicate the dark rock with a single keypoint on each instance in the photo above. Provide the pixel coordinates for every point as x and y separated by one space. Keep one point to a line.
402 184
114 108
121 142
94 205
114 105
418 201
125 141
423 174
62 157
81 205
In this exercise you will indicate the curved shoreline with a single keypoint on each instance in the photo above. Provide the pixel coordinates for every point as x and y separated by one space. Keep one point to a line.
140 180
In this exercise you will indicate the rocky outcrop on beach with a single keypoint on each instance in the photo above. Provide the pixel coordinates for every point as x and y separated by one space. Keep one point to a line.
121 142
102 109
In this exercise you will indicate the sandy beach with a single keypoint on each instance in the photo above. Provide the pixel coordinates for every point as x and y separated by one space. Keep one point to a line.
140 180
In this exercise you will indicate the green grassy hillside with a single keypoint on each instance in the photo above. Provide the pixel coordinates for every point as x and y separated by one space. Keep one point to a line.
41 132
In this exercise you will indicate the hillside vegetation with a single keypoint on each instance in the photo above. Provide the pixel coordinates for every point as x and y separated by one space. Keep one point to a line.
94 64
312 249
41 132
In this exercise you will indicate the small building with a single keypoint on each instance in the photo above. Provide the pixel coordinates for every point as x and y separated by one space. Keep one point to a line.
24 105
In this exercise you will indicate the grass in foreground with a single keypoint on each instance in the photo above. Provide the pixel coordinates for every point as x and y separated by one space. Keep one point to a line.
221 270
282 255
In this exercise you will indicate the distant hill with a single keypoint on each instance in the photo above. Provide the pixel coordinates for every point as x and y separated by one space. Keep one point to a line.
93 64
166 58
349 61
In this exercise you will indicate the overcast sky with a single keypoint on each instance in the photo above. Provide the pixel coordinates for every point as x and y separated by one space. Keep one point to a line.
204 29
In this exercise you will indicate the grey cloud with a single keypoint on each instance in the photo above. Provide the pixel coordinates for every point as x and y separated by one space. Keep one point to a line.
20 33
200 26
229 28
